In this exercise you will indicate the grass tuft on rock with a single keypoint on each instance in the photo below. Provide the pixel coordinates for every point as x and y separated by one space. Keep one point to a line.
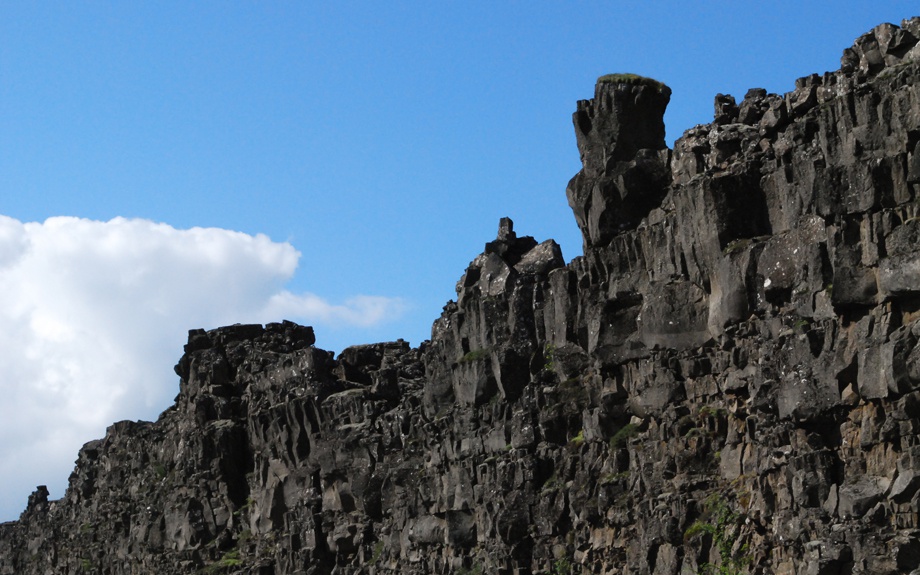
635 80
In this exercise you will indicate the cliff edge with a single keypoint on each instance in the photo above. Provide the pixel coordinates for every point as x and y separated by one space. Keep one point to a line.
727 381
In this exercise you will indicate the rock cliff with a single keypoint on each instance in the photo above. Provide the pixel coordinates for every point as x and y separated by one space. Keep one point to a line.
727 381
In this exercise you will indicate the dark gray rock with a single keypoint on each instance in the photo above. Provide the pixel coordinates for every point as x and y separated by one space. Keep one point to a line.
620 135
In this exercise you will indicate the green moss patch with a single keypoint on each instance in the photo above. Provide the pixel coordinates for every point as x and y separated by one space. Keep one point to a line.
635 80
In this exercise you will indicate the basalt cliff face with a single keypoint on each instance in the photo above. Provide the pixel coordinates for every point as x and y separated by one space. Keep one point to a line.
727 381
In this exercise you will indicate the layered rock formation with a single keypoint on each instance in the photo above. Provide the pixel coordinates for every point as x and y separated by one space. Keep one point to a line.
730 376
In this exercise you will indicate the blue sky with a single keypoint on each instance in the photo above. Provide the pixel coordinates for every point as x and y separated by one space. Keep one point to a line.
203 146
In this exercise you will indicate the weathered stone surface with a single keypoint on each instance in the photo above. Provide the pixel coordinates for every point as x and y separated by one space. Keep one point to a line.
620 135
856 498
736 355
675 315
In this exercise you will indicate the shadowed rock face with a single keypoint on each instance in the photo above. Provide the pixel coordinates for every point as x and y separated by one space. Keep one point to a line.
620 135
729 375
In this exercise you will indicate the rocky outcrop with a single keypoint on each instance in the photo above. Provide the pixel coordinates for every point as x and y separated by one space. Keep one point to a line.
620 135
729 376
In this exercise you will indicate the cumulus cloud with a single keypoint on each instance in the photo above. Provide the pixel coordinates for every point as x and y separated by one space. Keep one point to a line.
93 314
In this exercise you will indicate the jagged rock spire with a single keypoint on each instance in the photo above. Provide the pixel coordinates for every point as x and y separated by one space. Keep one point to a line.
620 135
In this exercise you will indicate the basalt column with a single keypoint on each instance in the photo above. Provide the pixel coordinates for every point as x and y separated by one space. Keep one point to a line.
625 173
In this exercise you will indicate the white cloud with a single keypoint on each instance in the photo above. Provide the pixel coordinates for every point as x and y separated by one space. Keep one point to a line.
93 315
362 310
